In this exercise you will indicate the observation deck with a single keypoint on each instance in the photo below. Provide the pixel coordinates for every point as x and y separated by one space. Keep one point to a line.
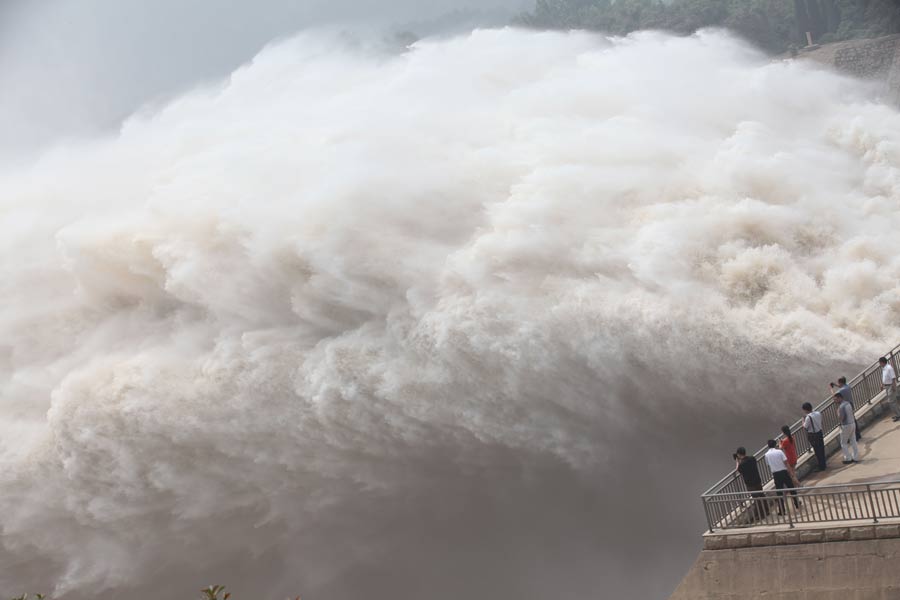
842 542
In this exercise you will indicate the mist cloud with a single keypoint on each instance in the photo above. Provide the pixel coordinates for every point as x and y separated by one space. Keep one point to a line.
76 68
476 320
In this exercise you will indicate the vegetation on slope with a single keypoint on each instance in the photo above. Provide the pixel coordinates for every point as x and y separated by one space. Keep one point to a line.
775 25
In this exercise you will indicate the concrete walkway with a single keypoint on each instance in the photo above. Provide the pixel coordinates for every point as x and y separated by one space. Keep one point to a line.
879 462
879 458
843 543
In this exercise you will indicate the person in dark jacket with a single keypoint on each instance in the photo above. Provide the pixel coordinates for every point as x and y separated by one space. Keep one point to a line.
746 466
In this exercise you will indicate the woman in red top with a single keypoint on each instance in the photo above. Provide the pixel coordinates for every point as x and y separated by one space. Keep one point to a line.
790 450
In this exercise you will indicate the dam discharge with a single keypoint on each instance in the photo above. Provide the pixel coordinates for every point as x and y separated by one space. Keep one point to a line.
433 325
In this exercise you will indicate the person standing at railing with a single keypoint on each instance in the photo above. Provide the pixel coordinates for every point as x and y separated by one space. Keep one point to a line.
812 423
846 418
782 474
889 383
844 390
749 471
790 451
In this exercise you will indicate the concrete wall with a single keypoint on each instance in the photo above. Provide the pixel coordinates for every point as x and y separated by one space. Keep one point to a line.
875 59
863 570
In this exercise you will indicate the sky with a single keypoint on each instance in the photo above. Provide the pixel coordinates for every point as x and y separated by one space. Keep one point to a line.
75 68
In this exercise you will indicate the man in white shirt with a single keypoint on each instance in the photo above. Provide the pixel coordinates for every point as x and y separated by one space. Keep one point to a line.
782 474
812 423
889 382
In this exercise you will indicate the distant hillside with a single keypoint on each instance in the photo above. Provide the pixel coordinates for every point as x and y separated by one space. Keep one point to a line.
775 25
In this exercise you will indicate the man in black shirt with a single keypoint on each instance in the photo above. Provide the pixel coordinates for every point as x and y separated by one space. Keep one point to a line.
746 466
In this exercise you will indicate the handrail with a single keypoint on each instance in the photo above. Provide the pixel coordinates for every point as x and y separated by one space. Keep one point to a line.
864 388
816 488
820 504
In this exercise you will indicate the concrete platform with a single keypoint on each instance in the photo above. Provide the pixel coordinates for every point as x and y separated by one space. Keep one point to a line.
879 461
841 543
879 454
849 570
833 560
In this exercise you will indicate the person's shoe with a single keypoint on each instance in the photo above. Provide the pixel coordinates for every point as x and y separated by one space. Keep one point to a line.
895 418
846 462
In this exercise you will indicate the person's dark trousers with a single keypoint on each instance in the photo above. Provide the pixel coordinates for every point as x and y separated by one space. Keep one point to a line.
783 481
817 441
760 504
858 434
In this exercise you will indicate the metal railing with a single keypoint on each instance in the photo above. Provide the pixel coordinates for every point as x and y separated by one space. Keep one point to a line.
820 504
864 388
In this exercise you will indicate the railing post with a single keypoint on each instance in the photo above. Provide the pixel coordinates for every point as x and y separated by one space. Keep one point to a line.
708 516
788 503
871 503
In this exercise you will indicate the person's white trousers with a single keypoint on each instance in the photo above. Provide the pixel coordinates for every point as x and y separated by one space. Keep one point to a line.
848 442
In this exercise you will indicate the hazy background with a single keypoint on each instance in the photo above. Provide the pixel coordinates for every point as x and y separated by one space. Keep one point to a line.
74 67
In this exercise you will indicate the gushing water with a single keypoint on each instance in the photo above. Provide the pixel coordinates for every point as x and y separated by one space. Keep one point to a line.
432 325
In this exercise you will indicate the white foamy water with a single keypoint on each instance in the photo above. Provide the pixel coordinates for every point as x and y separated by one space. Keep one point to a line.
360 325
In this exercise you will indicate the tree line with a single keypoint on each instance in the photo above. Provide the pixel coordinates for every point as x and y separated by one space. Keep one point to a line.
775 25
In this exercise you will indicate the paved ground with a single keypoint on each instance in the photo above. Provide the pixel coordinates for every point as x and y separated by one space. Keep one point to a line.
879 454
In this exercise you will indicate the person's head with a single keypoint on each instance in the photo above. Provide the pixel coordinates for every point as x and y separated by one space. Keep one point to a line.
787 432
740 452
771 443
882 361
807 407
837 398
842 381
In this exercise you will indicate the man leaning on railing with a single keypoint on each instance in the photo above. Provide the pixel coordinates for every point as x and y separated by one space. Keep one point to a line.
746 466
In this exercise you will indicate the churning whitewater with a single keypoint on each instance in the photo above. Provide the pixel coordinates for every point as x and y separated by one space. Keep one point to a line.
431 324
